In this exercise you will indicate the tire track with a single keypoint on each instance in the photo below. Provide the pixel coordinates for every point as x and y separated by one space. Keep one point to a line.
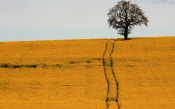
112 91
105 73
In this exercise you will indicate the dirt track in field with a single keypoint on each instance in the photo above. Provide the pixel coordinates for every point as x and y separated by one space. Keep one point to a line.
112 91
88 74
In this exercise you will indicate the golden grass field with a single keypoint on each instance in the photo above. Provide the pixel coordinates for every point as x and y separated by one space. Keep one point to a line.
145 69
88 74
68 75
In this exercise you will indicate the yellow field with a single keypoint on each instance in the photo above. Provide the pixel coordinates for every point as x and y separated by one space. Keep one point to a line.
88 74
145 69
68 75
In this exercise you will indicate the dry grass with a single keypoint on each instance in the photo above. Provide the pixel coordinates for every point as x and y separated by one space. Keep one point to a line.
68 75
70 88
145 71
71 74
51 52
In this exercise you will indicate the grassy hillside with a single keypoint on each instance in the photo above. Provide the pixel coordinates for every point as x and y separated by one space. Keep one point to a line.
88 74
67 75
145 69
51 52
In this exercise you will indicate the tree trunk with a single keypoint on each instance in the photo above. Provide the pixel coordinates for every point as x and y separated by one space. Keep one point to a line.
126 36
126 33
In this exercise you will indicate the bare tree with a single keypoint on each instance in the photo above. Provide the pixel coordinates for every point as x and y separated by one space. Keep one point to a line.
124 16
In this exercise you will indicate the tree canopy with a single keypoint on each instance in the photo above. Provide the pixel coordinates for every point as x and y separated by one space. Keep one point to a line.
124 16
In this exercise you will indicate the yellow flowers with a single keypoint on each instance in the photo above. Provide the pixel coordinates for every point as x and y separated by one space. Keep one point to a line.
67 75
145 70
50 52
71 74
